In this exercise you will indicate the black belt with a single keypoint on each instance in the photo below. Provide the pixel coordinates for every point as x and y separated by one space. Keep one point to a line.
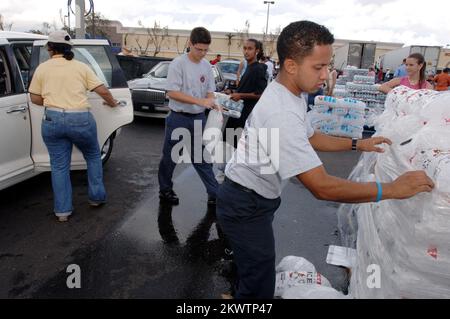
187 114
239 186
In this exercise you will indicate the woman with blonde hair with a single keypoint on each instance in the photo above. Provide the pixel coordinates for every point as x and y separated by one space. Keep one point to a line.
415 67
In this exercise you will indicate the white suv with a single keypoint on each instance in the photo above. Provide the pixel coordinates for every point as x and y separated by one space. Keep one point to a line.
23 153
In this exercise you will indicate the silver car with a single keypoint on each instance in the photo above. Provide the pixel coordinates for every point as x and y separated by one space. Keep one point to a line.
149 93
229 70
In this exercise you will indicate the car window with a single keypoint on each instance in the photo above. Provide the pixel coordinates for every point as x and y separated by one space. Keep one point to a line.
160 71
22 53
5 74
216 73
94 56
229 67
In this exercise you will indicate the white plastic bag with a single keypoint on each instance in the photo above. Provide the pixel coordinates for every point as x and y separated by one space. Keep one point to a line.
299 273
212 133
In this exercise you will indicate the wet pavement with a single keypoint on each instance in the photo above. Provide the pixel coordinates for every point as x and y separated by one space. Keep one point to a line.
144 250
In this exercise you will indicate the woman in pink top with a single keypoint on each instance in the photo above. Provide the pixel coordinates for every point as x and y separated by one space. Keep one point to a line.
415 66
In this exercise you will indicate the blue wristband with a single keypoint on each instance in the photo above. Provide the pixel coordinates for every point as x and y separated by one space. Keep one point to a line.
380 192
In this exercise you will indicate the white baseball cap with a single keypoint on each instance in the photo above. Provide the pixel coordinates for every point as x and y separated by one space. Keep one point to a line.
60 36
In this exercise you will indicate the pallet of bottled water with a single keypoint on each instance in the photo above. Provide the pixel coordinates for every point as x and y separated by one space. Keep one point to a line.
340 91
349 74
343 117
365 92
370 95
364 79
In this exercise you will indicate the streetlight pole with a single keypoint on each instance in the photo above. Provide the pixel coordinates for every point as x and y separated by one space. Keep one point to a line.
267 21
80 28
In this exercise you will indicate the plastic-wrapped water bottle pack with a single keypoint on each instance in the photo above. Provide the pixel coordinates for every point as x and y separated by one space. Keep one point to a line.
338 116
364 79
230 108
357 84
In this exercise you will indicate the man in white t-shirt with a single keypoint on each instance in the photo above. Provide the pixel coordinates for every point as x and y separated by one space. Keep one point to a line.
190 88
278 143
270 68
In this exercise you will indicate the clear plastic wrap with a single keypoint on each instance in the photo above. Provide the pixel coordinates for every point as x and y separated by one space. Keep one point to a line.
409 240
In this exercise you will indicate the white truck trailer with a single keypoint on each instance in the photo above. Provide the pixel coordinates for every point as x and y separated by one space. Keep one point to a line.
392 59
358 54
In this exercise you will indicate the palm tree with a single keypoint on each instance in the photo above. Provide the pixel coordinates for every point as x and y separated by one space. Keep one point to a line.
229 36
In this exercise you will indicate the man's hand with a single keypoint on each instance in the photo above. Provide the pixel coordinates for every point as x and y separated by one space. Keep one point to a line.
370 144
235 97
408 185
218 107
114 104
207 103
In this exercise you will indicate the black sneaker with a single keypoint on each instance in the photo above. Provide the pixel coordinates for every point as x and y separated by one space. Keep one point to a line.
211 200
169 197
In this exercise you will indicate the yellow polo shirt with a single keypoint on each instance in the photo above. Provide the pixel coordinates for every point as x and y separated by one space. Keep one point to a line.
63 83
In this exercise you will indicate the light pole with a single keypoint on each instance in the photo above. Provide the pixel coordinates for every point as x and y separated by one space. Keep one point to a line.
268 5
80 27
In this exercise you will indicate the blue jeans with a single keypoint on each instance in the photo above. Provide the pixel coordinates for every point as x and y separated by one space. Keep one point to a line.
246 220
60 132
167 165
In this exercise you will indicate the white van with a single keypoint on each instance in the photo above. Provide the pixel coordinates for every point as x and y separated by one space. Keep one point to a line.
23 153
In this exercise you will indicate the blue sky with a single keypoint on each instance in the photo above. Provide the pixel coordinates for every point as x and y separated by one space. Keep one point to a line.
404 21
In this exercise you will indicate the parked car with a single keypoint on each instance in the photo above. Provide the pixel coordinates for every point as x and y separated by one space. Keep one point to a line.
23 153
149 93
229 70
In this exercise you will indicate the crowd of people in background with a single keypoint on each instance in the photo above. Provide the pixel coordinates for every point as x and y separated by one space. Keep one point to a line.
411 73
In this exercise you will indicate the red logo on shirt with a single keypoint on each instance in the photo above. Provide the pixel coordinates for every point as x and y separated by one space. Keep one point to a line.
433 252
203 79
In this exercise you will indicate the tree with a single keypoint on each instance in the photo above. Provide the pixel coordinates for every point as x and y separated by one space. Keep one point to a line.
229 36
46 29
243 34
65 27
177 43
96 25
155 36
270 42
5 26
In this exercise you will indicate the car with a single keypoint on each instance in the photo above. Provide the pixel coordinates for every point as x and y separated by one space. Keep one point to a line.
23 153
229 70
149 93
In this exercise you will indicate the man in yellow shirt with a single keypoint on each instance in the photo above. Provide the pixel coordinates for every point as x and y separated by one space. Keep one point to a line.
60 85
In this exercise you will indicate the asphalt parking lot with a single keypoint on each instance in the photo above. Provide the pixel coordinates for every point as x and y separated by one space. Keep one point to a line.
135 248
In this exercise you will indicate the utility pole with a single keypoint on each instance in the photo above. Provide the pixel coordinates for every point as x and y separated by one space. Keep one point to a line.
268 5
80 28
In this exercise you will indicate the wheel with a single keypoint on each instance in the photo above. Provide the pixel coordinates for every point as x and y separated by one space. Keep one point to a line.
106 150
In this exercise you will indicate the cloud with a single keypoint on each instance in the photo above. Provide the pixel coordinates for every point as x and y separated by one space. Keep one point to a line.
405 21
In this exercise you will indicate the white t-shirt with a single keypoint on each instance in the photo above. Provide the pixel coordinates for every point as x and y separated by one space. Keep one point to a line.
274 145
269 69
194 79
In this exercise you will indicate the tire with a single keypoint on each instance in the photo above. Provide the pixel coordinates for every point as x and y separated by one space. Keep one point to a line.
106 150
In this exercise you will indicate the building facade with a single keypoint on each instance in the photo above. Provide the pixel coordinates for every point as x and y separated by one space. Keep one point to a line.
169 43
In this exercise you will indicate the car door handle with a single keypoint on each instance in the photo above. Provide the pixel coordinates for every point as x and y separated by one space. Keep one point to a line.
122 103
22 109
